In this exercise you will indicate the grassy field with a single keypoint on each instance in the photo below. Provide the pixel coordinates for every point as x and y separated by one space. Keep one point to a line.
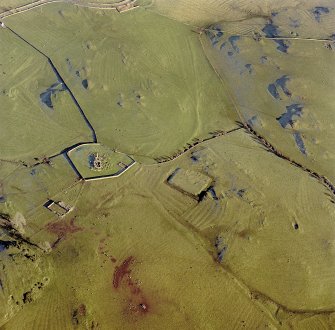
227 235
29 128
147 93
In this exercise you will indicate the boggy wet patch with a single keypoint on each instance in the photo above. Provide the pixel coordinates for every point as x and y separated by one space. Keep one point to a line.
220 248
6 244
214 34
299 142
84 83
233 41
194 157
318 12
46 96
293 110
287 118
282 45
231 44
279 83
263 59
247 69
270 30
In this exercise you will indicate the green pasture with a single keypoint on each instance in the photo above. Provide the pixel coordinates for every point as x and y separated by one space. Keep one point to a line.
149 88
29 128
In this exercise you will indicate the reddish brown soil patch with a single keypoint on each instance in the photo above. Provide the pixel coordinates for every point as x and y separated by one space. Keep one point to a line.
121 271
102 246
82 310
137 302
62 229
137 307
103 250
245 233
78 314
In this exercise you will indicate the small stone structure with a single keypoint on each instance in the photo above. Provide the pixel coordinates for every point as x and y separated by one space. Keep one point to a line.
59 208
188 182
126 6
122 165
97 162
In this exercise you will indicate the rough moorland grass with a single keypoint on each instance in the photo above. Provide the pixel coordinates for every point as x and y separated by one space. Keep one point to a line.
142 79
203 12
254 72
